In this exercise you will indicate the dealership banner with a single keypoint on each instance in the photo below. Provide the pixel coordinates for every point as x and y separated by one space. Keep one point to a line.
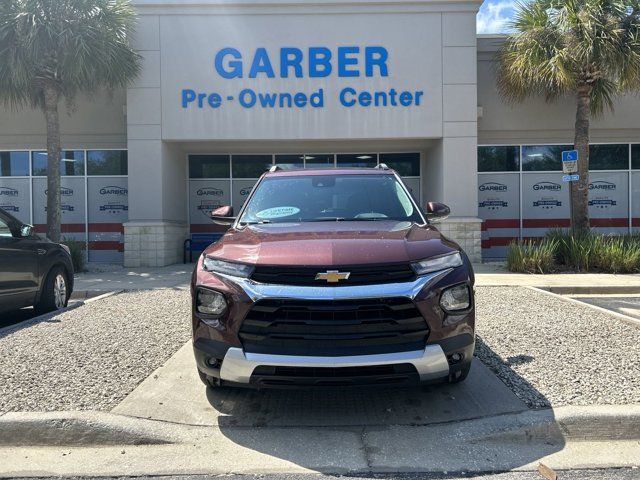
545 203
499 207
609 202
72 197
15 198
241 191
205 196
108 205
635 201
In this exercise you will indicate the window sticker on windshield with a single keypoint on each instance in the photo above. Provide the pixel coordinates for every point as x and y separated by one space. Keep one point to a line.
278 212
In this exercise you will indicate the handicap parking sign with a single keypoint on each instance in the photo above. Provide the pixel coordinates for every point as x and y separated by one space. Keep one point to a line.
569 161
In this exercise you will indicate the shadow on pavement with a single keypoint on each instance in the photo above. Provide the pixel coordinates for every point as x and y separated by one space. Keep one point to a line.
420 429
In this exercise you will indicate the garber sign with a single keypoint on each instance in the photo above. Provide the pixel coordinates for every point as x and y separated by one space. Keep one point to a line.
315 63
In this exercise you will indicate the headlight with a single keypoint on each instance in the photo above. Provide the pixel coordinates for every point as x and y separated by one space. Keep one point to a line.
436 264
455 298
210 302
228 268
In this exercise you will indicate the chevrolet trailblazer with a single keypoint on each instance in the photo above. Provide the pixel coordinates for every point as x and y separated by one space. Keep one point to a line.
332 278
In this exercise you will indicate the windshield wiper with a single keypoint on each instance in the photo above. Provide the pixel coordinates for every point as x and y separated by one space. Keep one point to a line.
255 222
327 219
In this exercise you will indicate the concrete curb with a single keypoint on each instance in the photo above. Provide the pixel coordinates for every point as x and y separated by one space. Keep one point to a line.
78 429
89 428
620 316
593 290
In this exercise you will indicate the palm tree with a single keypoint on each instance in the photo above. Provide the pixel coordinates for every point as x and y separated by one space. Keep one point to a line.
52 50
589 49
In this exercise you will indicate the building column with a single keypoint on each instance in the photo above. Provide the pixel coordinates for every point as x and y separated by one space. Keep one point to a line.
455 157
157 225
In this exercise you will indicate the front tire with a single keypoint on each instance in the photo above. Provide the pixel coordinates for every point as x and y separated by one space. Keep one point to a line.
55 292
208 381
460 375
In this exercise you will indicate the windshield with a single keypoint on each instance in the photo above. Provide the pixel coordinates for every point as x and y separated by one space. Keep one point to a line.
317 198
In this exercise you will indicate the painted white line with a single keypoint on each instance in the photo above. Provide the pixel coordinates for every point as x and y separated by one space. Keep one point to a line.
625 318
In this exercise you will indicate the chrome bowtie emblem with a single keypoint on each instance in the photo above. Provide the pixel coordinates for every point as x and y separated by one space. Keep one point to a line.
333 276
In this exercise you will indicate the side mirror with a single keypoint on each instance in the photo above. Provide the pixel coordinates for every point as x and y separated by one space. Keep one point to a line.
26 231
437 211
223 216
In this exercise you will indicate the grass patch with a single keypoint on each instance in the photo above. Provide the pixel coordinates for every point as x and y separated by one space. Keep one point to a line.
77 250
578 251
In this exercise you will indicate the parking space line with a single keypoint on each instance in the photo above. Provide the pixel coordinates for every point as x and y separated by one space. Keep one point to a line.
625 318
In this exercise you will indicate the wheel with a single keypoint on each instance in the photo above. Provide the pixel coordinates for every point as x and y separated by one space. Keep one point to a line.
460 375
207 380
55 295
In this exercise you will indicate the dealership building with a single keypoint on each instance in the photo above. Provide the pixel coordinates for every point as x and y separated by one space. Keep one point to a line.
231 87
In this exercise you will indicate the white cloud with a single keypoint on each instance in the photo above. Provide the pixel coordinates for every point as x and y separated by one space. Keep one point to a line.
494 16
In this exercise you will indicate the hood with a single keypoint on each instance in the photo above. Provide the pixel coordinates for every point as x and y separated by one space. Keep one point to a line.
331 243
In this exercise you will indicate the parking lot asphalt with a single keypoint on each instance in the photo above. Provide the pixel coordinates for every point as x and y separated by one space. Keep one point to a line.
627 305
174 393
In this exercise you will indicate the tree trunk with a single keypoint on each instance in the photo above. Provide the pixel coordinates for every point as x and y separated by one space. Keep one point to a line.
51 98
580 189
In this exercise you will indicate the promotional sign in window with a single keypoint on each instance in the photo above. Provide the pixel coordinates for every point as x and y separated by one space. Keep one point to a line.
72 205
609 201
545 203
635 200
108 203
205 196
15 199
241 191
499 207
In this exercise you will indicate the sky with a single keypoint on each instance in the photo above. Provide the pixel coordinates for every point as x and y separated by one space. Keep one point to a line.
494 16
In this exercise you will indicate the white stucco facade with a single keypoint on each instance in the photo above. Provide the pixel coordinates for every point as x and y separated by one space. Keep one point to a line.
241 80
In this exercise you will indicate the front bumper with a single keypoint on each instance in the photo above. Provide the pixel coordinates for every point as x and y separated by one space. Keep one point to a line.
238 366
221 355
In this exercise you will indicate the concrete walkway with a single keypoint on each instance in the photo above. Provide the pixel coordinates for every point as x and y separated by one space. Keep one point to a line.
174 393
487 274
115 277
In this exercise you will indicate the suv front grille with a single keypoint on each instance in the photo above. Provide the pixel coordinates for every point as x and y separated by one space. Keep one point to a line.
333 327
359 274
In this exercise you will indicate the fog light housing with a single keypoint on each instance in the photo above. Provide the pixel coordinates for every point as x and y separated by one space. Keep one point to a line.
210 302
456 298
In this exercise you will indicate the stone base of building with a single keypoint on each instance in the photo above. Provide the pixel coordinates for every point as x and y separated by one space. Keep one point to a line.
153 244
466 232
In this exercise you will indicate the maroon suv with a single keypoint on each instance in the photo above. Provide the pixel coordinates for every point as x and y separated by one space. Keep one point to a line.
332 278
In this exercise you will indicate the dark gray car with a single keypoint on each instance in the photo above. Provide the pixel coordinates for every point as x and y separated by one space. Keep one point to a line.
33 270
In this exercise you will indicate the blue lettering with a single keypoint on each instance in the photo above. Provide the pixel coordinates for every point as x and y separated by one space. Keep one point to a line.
364 99
188 96
247 98
235 66
343 97
317 99
344 60
261 64
267 99
406 99
290 57
215 100
418 95
319 62
300 99
376 56
288 98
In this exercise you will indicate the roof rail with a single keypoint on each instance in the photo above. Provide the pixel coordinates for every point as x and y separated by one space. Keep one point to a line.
274 168
382 166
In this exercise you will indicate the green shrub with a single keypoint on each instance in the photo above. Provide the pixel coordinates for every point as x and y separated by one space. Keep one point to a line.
589 251
532 256
77 249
